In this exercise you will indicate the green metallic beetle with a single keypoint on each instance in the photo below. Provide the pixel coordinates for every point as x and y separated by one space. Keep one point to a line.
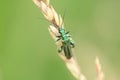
67 43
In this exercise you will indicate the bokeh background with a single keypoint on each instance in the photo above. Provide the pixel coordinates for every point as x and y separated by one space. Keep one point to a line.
27 52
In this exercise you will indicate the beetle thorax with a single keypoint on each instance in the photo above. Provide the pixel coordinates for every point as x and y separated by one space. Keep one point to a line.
63 34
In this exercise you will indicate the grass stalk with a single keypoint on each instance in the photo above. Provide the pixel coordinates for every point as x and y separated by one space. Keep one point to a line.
55 20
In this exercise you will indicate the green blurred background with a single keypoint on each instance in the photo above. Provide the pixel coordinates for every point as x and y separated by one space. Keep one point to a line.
27 52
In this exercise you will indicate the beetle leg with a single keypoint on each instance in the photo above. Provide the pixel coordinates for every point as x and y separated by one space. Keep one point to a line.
58 39
69 35
72 43
60 49
58 36
67 32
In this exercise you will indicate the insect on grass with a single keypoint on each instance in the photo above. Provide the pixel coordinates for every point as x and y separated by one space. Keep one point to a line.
67 43
63 36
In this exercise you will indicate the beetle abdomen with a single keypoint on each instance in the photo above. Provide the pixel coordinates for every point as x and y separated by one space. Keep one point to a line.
67 51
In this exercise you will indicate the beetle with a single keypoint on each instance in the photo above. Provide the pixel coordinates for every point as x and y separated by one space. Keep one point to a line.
67 42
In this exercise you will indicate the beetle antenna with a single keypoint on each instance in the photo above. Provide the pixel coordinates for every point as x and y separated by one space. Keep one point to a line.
63 17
